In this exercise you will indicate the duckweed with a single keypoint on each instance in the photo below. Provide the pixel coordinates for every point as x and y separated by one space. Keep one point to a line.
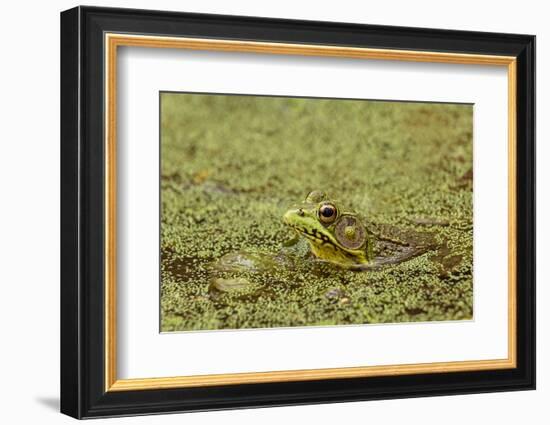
232 165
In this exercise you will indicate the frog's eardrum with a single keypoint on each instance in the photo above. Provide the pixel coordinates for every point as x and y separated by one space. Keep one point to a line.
350 232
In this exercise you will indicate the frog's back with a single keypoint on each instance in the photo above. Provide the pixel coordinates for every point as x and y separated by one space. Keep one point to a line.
394 245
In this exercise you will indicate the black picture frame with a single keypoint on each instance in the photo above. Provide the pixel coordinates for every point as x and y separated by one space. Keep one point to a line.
83 392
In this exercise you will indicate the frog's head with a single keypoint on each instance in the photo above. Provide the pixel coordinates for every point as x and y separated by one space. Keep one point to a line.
334 234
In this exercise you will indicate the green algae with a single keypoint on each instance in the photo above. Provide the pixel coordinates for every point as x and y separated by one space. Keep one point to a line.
232 165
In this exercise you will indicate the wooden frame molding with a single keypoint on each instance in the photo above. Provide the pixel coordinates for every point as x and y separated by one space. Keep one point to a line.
113 41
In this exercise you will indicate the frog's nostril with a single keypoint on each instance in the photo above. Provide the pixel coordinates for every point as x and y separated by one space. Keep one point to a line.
300 212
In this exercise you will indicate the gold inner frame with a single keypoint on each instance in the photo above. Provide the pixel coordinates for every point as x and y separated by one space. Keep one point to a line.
113 41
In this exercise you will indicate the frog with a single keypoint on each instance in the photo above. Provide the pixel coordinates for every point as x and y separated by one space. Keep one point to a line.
325 231
347 239
335 234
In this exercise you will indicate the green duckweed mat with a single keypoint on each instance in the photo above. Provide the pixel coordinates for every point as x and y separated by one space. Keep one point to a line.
232 165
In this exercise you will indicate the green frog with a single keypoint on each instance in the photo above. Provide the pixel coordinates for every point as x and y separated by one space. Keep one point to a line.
329 233
335 234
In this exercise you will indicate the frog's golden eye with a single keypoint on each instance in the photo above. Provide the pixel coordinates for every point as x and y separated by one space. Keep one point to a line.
327 213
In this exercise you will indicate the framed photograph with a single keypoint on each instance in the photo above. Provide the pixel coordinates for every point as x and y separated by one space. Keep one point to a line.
261 212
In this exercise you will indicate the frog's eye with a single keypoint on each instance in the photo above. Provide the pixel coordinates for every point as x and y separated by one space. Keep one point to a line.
327 213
